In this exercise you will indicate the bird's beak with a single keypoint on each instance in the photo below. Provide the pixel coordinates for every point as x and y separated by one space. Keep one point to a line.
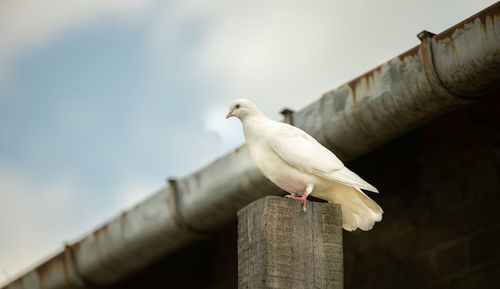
228 115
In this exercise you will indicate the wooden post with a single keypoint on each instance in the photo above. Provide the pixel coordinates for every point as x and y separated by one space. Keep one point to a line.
281 246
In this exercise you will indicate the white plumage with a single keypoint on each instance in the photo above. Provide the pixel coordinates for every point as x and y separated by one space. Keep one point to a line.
295 161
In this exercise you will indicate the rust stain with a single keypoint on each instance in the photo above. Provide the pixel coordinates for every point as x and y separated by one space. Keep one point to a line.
47 269
123 219
101 230
18 283
76 246
68 252
353 84
453 49
135 207
413 52
216 161
490 12
484 28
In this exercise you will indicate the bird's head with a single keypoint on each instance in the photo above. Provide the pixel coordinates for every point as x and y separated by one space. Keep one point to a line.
241 108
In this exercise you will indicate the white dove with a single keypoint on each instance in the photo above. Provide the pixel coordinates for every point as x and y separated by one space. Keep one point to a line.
299 164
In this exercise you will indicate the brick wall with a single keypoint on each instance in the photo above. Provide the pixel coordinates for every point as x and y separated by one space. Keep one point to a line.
440 190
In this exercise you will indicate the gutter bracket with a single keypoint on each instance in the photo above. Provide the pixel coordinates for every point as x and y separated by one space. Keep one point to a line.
430 68
288 115
71 269
177 214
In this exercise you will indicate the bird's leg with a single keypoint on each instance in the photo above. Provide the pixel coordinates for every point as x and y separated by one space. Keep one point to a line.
303 198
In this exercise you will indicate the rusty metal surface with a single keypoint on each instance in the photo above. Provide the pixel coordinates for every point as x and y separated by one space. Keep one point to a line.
57 272
467 55
403 93
288 115
135 238
352 120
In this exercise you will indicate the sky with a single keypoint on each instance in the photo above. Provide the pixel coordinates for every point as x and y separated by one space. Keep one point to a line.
101 101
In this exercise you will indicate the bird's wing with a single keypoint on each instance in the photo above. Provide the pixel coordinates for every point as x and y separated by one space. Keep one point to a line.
349 178
302 151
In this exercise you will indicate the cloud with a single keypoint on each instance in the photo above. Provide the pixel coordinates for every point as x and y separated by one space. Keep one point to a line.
38 215
171 144
228 129
287 53
30 24
34 218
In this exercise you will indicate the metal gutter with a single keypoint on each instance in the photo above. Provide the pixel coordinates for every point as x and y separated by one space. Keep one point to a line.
447 70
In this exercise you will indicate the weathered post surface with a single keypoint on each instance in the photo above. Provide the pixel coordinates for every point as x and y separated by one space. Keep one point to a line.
281 246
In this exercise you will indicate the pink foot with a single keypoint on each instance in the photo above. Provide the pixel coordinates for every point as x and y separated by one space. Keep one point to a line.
303 198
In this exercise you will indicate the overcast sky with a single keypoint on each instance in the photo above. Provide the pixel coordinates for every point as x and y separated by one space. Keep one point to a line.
100 101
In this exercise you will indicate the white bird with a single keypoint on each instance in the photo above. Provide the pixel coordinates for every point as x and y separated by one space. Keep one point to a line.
300 165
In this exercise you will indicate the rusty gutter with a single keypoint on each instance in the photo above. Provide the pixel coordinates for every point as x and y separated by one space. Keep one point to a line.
447 70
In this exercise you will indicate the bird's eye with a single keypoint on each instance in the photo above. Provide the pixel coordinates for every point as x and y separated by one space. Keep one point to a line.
237 106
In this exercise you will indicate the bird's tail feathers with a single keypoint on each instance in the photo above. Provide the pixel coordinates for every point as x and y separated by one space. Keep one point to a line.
358 210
